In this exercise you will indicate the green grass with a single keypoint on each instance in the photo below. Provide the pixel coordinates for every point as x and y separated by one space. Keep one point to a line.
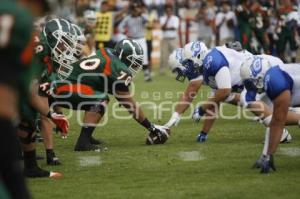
130 169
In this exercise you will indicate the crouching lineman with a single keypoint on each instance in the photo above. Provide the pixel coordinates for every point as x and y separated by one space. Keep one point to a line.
220 68
86 83
195 52
195 82
282 86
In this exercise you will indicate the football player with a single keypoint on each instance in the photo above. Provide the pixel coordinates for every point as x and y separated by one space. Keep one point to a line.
16 49
175 62
197 59
43 53
281 85
87 82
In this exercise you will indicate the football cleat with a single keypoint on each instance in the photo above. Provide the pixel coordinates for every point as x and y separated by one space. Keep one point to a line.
52 159
86 147
37 172
55 175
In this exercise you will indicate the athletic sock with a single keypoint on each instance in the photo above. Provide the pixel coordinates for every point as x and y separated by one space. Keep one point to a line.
30 160
10 169
86 133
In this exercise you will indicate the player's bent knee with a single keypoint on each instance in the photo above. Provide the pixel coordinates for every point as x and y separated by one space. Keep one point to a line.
27 134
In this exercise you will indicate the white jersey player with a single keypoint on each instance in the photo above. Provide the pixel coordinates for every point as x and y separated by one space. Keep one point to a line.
195 82
281 83
221 71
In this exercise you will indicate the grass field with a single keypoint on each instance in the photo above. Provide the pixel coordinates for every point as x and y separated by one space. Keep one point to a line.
182 168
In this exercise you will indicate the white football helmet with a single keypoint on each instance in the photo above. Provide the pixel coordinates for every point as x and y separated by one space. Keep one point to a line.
253 70
195 51
175 59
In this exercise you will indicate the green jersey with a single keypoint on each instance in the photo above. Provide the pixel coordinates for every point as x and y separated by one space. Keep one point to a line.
102 72
93 78
16 43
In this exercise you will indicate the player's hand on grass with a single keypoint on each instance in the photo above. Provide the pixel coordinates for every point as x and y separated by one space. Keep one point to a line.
265 163
60 120
198 113
157 135
257 164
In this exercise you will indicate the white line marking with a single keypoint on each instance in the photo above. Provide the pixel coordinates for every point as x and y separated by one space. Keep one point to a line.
190 156
290 151
88 161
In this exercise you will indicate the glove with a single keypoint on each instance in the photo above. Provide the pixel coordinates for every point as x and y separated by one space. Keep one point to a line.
265 163
174 120
202 137
258 163
60 120
198 113
157 135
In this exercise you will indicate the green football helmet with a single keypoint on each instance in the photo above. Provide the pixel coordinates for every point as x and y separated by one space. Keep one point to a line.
130 53
62 40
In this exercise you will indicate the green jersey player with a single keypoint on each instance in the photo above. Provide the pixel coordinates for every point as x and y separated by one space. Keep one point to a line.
16 49
86 84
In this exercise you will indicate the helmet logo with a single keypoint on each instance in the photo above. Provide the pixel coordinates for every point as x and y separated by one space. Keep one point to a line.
195 48
179 55
256 66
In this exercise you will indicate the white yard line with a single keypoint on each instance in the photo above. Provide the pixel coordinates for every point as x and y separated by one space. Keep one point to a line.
88 161
190 156
290 151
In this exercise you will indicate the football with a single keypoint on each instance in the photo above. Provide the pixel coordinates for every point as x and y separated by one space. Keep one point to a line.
153 138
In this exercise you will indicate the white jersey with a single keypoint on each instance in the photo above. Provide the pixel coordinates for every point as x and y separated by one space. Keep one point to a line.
221 67
277 80
274 61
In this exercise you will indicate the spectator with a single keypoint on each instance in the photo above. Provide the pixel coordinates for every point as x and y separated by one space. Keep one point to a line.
260 22
287 31
104 27
169 26
134 25
149 37
225 23
244 26
205 17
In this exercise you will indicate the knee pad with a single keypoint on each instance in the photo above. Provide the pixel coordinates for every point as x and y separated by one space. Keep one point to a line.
29 129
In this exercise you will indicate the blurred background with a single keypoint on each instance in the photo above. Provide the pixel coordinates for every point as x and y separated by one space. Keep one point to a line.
264 26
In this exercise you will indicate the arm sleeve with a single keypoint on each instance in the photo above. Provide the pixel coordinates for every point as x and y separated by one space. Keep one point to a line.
223 78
